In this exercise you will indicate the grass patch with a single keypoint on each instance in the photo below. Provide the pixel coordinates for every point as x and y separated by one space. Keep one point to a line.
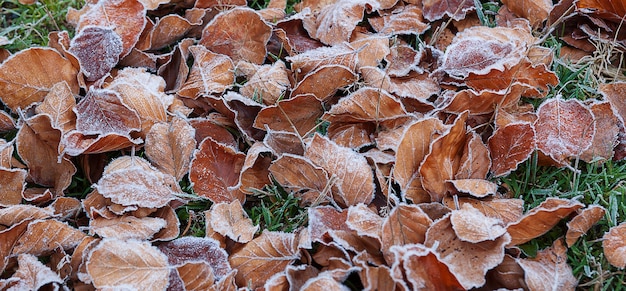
276 209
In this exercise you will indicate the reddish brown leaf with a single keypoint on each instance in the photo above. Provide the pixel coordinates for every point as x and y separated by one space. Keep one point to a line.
210 73
12 183
229 219
244 41
170 146
298 114
33 275
19 213
355 180
614 245
541 219
456 9
297 173
423 268
486 101
402 20
215 170
413 147
549 269
102 111
59 104
509 146
126 17
475 162
168 30
536 11
196 276
564 129
255 173
263 257
443 161
582 222
268 83
97 49
74 143
537 78
302 64
475 187
371 49
458 254
6 122
405 225
335 22
419 86
127 263
607 132
365 221
366 104
334 76
22 85
43 236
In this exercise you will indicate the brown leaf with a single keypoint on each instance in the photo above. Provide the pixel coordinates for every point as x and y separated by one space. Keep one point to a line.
549 269
475 187
97 49
437 9
126 17
9 237
366 104
537 78
210 73
102 111
541 219
245 111
334 76
405 225
536 11
413 147
170 146
509 274
74 143
352 135
486 101
196 275
215 170
137 184
297 173
402 20
12 183
59 104
335 23
310 60
323 282
245 41
16 214
564 129
6 122
207 127
255 173
298 114
269 83
168 30
33 275
582 222
371 49
143 93
43 236
423 268
263 257
509 146
443 161
458 254
607 132
473 226
365 221
480 49
189 249
355 180
21 86
126 227
229 219
127 263
614 245
37 144
418 86
475 162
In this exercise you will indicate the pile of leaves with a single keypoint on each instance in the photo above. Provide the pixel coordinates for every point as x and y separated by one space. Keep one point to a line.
388 120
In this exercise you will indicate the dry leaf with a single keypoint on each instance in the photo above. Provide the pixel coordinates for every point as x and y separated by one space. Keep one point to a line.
263 257
582 222
170 146
310 60
59 104
210 73
549 269
215 170
43 236
423 268
334 76
473 226
456 9
335 22
33 275
12 183
607 132
245 41
269 83
405 225
229 219
21 86
97 49
255 173
126 227
297 173
299 114
127 264
509 146
355 180
365 221
194 249
541 219
402 20
366 104
536 11
196 276
102 111
564 129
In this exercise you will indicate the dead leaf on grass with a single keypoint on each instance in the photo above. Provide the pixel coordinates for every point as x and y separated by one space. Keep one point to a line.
549 269
229 219
582 222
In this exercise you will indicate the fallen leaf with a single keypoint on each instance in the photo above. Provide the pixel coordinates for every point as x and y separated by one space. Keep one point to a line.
126 227
255 173
229 219
406 224
355 180
127 264
102 111
582 222
335 76
607 133
269 83
298 114
366 104
210 73
509 146
97 49
59 104
402 20
245 41
423 268
310 60
437 9
43 236
541 219
20 87
536 11
334 23
170 147
364 221
33 275
13 183
263 257
549 269
475 187
564 129
194 249
214 171
323 282
196 276
473 226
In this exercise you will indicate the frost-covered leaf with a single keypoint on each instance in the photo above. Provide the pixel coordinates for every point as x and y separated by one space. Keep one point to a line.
98 50
509 146
170 146
194 249
473 226
210 73
127 264
549 269
33 275
12 183
229 219
126 227
582 222
102 111
614 245
263 257
43 236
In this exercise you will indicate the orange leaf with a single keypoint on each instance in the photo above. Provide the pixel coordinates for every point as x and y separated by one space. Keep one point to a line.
310 60
607 133
43 236
509 146
245 41
298 114
20 87
33 275
355 180
269 83
334 77
405 225
549 269
582 222
210 73
263 257
614 245
59 104
229 219
541 219
475 162
366 104
170 146
475 187
126 227
536 11
12 183
127 263
334 23
423 268
215 170
536 79
564 129
255 173
364 221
